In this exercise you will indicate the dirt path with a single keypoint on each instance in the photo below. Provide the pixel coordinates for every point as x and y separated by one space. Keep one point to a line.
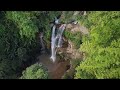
56 70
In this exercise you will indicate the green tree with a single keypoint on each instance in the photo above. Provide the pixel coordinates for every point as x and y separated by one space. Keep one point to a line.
102 57
16 47
36 71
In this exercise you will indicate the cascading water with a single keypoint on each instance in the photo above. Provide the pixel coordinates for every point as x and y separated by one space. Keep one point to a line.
54 38
60 32
41 41
53 44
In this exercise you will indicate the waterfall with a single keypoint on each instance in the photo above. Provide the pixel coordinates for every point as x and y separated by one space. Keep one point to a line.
56 40
53 44
41 41
60 32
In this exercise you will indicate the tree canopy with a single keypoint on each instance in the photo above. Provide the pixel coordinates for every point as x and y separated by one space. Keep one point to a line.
102 59
36 71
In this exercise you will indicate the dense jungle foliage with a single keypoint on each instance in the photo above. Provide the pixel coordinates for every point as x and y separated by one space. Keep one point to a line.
102 60
19 43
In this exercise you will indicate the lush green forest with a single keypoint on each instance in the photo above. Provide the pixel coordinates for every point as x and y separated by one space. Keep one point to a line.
20 45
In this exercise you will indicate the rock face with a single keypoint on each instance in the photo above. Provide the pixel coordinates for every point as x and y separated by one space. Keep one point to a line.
68 48
77 28
80 12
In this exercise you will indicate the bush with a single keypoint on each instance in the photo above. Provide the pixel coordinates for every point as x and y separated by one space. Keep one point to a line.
36 71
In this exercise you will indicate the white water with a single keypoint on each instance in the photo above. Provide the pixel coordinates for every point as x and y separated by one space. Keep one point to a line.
60 32
53 44
54 38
